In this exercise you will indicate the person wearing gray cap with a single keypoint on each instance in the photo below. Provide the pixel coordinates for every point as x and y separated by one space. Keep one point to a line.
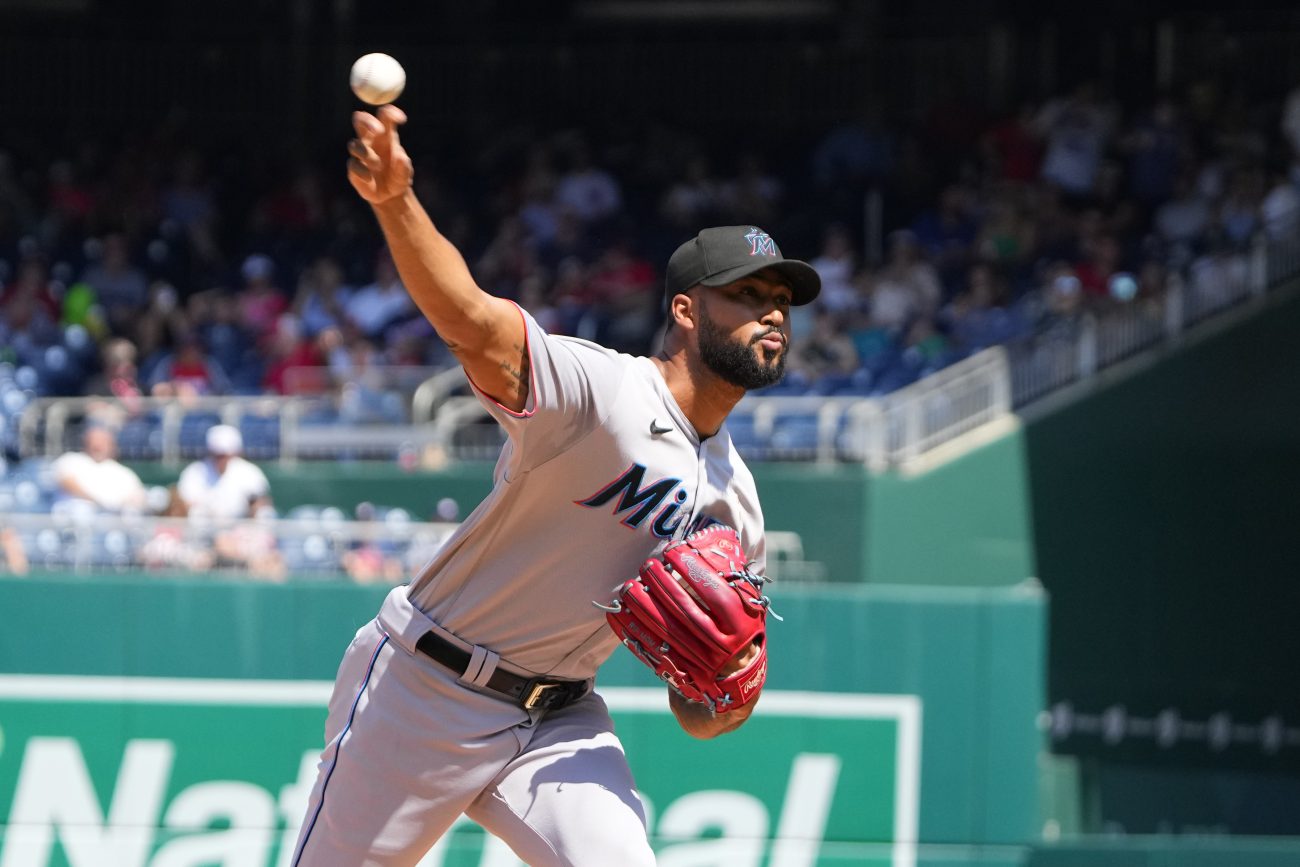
472 690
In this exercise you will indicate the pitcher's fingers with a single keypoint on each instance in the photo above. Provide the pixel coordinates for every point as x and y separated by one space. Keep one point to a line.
359 174
366 125
391 116
360 152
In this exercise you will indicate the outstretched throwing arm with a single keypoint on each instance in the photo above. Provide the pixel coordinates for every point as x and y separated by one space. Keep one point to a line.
485 333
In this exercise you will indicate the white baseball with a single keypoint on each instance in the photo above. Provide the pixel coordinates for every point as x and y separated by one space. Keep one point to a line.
377 79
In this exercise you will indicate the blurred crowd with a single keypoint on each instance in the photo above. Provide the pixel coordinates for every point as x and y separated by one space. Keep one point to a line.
154 266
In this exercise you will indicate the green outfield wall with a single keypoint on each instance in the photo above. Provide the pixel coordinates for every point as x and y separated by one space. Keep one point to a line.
967 521
173 723
1165 508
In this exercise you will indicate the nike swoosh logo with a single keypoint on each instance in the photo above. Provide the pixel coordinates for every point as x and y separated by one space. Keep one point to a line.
656 430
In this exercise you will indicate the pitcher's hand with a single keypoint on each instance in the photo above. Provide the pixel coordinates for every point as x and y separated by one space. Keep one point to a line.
378 166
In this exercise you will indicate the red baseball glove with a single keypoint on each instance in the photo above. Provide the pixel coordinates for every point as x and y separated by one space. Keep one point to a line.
689 613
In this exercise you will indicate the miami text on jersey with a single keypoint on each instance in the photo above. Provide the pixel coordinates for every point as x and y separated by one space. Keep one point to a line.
641 502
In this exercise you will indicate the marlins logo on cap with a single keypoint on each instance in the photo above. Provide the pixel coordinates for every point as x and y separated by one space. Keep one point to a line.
723 254
760 242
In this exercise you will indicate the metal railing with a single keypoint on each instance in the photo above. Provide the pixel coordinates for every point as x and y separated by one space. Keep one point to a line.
942 407
883 432
1076 349
893 430
321 543
321 546
434 391
51 426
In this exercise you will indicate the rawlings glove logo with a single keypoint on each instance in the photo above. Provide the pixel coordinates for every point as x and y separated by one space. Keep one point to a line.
758 678
700 574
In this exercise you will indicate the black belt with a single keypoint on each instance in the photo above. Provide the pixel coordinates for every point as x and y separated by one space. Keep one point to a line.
530 693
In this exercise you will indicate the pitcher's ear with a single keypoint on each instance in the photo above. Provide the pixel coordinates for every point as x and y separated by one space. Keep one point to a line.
682 310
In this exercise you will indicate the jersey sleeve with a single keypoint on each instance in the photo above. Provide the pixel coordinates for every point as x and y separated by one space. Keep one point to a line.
571 383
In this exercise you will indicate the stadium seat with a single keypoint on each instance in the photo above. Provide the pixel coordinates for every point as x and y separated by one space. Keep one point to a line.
27 379
904 371
794 436
261 436
744 435
194 431
113 550
831 383
306 513
314 555
80 345
59 371
859 384
141 437
49 548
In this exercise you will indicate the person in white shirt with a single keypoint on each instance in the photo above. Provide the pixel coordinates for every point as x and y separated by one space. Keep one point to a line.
224 485
93 475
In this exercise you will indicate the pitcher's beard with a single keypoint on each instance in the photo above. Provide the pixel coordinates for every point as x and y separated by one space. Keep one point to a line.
736 362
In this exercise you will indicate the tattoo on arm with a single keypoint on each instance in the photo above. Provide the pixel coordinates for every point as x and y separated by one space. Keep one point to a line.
518 373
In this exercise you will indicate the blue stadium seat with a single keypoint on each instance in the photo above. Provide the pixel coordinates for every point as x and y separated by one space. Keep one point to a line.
311 555
793 384
246 374
80 345
194 431
397 528
319 415
794 435
140 437
59 371
27 379
28 487
744 436
49 548
261 436
902 372
859 384
305 512
113 550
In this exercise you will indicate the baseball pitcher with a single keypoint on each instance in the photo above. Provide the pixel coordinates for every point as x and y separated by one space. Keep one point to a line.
621 514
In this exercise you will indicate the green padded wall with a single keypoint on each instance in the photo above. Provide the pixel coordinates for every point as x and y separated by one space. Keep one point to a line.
966 521
1164 519
855 672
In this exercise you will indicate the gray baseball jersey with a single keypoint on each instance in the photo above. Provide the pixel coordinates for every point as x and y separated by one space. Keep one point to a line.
601 470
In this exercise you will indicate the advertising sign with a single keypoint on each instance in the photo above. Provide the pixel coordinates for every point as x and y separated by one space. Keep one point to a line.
158 772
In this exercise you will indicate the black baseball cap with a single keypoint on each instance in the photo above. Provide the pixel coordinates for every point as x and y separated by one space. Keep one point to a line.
722 254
